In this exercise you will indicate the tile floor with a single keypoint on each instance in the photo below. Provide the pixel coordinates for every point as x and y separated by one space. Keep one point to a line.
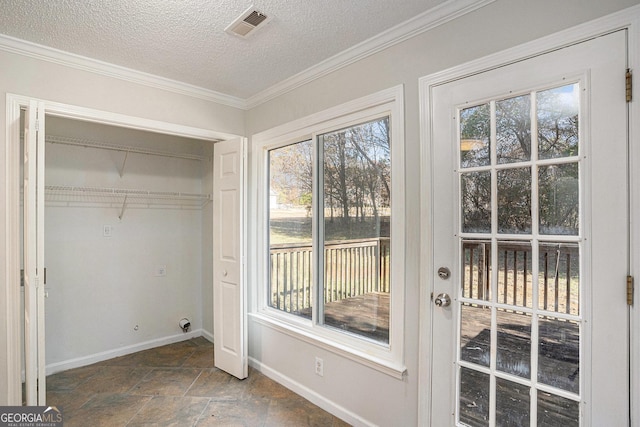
176 385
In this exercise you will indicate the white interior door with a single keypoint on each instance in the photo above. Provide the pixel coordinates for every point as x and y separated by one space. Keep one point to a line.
530 216
229 291
35 375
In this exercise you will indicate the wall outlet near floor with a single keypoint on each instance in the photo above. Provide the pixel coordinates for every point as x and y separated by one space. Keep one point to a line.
107 230
319 367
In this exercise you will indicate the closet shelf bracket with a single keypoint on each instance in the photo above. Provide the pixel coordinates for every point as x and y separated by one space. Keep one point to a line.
124 204
124 162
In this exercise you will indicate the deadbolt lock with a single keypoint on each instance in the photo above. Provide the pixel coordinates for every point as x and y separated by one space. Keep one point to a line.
444 273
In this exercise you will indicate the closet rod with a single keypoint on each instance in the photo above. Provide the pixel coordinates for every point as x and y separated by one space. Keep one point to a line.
103 191
105 146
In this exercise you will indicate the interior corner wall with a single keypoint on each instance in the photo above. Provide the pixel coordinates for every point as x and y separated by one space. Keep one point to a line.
207 247
361 395
46 80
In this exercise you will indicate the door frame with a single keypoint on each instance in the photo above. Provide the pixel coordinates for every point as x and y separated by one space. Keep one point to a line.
628 19
14 103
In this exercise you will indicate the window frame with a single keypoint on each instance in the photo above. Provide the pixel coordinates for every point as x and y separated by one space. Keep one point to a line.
387 358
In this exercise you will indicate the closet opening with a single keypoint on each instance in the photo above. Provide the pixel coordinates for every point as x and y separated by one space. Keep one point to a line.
128 241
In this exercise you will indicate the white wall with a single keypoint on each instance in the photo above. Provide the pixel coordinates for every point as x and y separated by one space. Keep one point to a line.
105 297
363 395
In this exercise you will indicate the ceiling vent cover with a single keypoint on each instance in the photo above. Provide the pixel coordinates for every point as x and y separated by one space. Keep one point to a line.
246 24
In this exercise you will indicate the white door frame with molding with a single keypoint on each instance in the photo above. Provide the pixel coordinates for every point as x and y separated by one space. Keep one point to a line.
627 19
14 104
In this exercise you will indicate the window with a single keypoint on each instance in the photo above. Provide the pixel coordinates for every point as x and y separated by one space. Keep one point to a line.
290 229
353 212
331 207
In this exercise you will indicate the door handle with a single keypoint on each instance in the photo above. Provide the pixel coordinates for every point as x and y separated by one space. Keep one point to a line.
442 300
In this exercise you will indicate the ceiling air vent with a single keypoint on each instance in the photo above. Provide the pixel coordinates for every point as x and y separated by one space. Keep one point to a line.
246 24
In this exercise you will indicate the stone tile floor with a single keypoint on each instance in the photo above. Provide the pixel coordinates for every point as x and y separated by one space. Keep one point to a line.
177 385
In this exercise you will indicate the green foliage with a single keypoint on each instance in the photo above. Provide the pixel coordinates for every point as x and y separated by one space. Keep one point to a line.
557 125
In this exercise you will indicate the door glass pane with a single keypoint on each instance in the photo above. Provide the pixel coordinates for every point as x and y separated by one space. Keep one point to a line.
558 199
514 274
514 343
475 334
290 254
521 292
476 269
557 113
514 200
559 278
556 411
476 202
474 398
512 403
559 353
357 216
475 134
513 129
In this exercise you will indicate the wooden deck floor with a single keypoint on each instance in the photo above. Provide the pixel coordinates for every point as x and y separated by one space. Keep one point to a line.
558 366
558 358
365 315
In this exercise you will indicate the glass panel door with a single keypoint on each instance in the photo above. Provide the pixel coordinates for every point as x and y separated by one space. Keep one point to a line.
519 177
529 214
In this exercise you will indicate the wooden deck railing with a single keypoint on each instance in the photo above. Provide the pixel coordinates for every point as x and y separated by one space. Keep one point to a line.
351 268
359 267
558 274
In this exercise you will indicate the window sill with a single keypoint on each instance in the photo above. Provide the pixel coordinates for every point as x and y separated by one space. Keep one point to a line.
388 367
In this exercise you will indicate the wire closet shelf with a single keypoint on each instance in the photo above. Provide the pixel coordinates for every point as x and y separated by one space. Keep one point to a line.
121 198
87 143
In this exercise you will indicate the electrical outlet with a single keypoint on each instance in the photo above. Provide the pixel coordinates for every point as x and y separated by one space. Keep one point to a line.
319 367
107 231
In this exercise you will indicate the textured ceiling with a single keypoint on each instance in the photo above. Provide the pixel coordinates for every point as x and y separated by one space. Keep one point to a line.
184 40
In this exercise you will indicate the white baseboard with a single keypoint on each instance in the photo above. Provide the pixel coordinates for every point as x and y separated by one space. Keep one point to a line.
310 395
122 351
208 335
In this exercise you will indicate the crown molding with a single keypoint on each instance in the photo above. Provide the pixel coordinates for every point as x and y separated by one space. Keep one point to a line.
430 19
56 56
628 18
426 21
